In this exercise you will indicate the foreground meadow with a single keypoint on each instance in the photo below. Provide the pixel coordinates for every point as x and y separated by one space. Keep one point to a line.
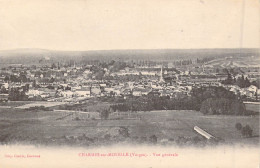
57 128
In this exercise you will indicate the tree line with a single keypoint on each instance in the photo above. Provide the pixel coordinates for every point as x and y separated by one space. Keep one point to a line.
208 100
241 81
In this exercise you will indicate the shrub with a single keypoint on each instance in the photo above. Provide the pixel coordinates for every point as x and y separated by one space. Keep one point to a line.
196 139
143 139
153 139
104 114
247 131
124 131
107 137
171 139
238 126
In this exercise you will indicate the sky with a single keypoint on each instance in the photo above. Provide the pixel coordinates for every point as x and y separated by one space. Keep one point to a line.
129 24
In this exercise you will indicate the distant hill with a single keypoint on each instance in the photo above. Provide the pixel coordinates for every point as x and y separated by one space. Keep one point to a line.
34 56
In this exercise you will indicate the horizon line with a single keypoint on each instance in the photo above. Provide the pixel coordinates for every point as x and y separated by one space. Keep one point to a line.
125 49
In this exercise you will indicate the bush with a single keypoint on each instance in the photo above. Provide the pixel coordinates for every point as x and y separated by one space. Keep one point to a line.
238 126
153 139
123 131
107 137
247 131
143 139
38 108
104 114
77 119
196 139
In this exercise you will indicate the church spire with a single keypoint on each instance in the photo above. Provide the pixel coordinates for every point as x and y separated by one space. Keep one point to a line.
161 75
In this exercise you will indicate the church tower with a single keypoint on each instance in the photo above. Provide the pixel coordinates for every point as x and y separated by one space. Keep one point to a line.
161 76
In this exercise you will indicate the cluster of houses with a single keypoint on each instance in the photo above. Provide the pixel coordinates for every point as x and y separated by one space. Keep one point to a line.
250 92
74 84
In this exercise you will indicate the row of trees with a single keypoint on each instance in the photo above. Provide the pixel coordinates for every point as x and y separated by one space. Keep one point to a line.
246 131
14 78
156 103
204 60
183 62
112 66
15 94
241 81
223 106
208 100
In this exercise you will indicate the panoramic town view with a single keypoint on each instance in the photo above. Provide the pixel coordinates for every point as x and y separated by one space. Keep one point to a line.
129 83
199 97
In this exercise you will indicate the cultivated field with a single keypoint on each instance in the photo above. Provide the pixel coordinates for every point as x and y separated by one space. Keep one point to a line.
56 127
232 62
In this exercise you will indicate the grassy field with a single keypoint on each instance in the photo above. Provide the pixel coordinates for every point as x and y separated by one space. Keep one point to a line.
40 103
14 103
34 126
252 107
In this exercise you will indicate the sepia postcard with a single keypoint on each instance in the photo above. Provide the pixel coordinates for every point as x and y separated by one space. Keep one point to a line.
129 83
